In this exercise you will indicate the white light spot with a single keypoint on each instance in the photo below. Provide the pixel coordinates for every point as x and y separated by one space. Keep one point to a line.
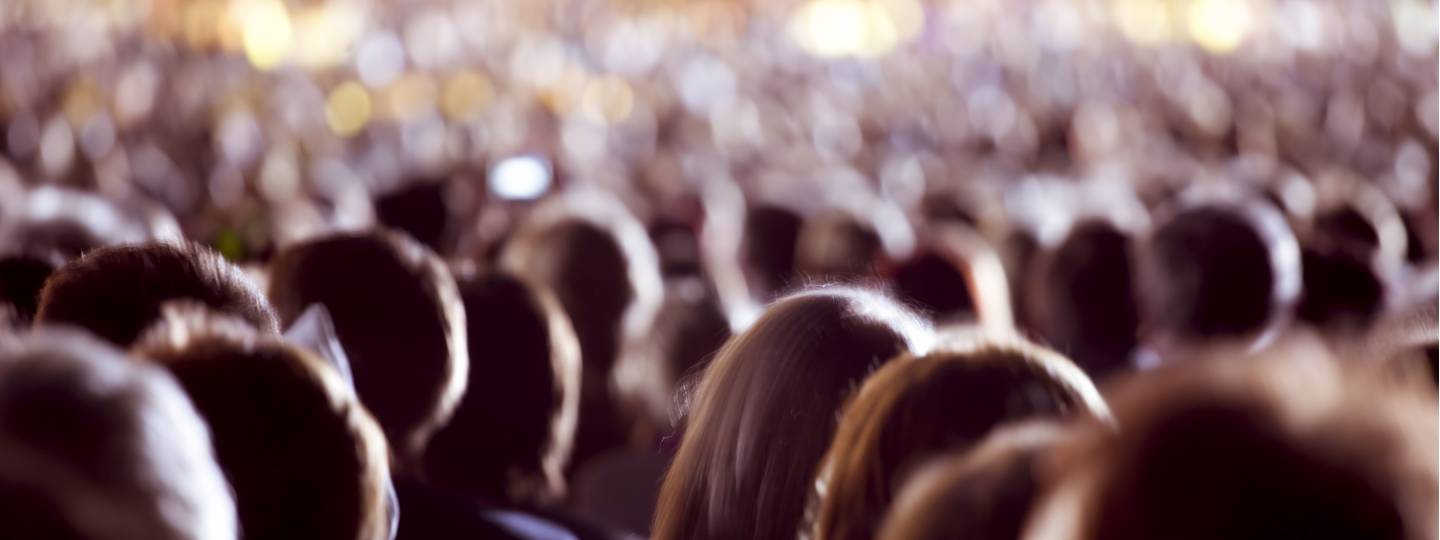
520 178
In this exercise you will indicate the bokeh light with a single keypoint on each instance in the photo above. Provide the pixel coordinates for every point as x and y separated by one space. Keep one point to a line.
520 178
268 34
1220 26
348 109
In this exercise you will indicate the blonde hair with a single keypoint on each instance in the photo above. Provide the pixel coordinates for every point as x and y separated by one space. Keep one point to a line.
942 401
121 453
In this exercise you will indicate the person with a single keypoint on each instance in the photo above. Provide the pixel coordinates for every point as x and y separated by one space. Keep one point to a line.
94 446
21 279
1282 446
1217 274
586 247
1086 306
771 236
399 318
764 411
304 457
511 435
116 291
917 407
983 493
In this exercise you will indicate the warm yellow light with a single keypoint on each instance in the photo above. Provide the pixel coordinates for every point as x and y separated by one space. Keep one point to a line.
230 26
1144 22
865 28
1219 26
466 96
267 34
563 92
81 101
607 100
324 34
347 110
907 16
410 96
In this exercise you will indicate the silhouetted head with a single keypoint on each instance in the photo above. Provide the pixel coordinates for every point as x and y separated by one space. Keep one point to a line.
833 244
21 279
1342 289
95 447
419 210
771 235
1271 447
1087 304
765 411
686 335
916 408
511 436
983 493
303 456
399 317
1218 272
116 291
936 284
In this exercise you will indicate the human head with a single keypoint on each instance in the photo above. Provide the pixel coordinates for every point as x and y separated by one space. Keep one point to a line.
770 237
1267 447
304 457
1086 303
94 446
917 407
511 435
982 493
835 244
1218 271
116 291
398 315
686 335
21 279
764 411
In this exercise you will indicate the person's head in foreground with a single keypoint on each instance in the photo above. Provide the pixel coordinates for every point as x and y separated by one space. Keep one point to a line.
915 408
983 493
1219 273
511 435
93 446
304 458
1269 447
398 315
116 291
765 411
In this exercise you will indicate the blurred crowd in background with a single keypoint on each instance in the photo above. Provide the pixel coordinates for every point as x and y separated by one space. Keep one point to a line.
536 260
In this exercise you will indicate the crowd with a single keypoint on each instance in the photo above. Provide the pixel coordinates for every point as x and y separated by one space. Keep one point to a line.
832 269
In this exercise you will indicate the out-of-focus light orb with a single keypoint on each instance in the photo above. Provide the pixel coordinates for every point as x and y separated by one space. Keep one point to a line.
80 102
410 96
607 100
347 110
520 178
1220 26
704 83
57 146
201 21
135 94
268 34
325 34
466 96
1144 22
1414 25
432 39
831 28
97 136
1303 25
379 59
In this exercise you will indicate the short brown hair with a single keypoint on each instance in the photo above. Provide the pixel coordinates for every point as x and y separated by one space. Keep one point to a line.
1256 447
116 292
303 455
398 314
917 407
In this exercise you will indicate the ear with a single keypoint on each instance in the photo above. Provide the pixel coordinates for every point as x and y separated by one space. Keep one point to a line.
315 331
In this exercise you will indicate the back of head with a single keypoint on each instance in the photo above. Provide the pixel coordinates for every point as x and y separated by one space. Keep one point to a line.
511 435
115 292
304 458
834 244
419 210
1216 272
765 410
1088 298
918 407
94 447
686 335
590 276
1267 448
771 235
21 279
983 493
933 282
398 315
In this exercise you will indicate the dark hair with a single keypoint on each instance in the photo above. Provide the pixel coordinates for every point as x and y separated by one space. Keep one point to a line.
511 434
770 239
95 446
1270 447
398 315
303 456
1212 272
21 279
764 412
686 335
835 244
931 281
1087 303
983 493
917 407
117 291
419 210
